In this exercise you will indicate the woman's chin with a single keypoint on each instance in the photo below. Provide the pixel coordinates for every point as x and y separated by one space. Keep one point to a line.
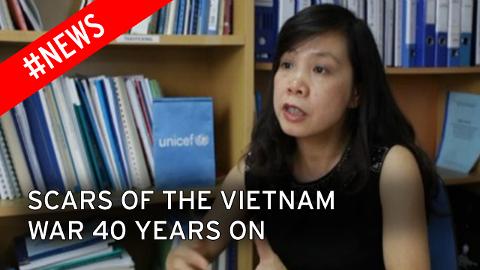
295 132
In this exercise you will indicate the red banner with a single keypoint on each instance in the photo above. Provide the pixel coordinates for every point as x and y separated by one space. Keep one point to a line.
66 45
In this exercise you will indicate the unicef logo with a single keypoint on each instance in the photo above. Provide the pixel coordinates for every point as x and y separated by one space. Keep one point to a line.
199 140
202 140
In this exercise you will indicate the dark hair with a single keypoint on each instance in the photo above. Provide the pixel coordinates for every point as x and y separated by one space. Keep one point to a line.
376 121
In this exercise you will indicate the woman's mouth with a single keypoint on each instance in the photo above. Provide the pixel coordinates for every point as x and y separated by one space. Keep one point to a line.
293 113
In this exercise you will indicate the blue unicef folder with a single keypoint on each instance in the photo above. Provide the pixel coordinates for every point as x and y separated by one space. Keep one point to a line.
183 149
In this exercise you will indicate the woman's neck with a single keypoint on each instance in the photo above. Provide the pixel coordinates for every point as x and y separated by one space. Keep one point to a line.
316 156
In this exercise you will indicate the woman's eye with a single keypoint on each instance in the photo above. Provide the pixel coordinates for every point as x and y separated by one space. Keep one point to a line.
286 65
319 69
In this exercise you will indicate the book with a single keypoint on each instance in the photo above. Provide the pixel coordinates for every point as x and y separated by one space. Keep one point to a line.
133 84
17 14
227 17
136 160
17 154
66 98
9 188
89 260
27 250
62 256
124 262
90 135
107 137
460 144
21 123
6 22
213 17
32 15
43 143
142 27
59 137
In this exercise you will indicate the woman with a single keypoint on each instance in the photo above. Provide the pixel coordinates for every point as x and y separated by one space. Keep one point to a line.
330 124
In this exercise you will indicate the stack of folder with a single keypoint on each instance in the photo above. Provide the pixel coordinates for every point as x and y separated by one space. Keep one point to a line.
79 134
88 253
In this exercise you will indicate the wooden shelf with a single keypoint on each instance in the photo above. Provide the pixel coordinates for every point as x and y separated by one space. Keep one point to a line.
21 37
263 66
473 179
405 71
19 207
433 71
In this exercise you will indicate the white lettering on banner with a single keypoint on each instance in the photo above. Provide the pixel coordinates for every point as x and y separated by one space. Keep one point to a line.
62 43
53 230
248 199
189 141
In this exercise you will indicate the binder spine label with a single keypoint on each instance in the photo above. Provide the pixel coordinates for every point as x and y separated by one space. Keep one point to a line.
411 19
264 3
467 16
441 16
453 38
430 12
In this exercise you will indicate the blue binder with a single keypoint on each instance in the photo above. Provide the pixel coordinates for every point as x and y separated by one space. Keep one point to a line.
465 48
203 12
97 149
181 16
183 150
425 56
161 20
192 28
453 41
441 35
466 33
409 26
36 180
43 144
266 25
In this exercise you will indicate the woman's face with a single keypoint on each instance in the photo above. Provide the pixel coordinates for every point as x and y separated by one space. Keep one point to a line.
313 86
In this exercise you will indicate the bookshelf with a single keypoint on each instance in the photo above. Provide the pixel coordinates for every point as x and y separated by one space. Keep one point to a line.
24 37
218 66
421 94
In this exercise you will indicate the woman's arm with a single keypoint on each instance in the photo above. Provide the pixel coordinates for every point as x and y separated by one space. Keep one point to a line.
405 238
195 254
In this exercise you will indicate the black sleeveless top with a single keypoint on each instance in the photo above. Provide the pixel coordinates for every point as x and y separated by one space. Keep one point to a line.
347 237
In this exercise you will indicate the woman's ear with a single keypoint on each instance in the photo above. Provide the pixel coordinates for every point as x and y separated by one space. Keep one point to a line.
354 99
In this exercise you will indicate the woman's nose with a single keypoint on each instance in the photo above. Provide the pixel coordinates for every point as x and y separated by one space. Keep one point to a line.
297 86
